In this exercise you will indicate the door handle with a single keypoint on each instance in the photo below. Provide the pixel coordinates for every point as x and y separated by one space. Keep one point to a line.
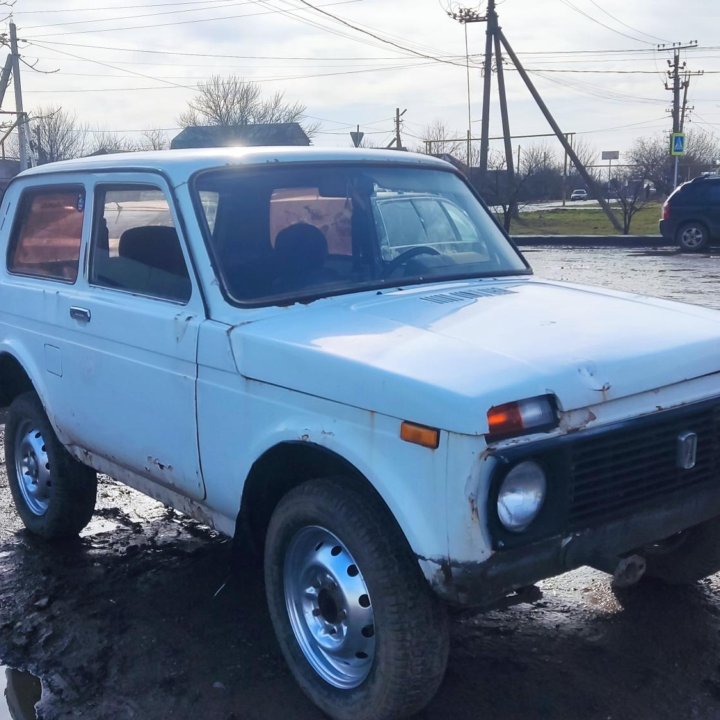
78 313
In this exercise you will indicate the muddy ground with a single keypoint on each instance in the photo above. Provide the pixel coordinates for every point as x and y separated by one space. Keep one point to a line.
140 618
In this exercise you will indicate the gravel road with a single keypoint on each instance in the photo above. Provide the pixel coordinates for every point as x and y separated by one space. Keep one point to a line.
140 617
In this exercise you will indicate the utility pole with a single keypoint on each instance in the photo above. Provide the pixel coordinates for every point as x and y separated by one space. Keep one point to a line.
496 41
560 136
485 123
675 86
464 16
506 127
21 119
397 141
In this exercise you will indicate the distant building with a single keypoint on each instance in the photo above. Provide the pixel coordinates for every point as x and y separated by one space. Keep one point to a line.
243 135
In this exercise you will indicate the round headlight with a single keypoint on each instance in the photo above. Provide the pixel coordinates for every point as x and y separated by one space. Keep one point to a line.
521 496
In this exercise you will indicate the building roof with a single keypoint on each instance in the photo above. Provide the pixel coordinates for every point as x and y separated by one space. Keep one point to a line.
277 134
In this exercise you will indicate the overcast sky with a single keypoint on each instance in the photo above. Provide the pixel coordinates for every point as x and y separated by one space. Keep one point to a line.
127 65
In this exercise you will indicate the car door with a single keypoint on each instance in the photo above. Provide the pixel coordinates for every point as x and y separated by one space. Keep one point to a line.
130 371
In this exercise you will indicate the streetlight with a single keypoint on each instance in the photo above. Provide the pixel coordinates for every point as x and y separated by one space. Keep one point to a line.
464 16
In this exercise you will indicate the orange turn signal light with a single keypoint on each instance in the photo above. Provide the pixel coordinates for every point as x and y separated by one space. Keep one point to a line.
537 413
420 435
504 419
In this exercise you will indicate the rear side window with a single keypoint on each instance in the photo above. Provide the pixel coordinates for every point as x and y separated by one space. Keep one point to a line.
135 246
48 232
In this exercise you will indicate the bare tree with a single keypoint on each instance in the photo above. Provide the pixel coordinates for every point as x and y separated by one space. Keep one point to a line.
652 155
110 142
588 156
633 194
538 177
441 141
154 140
233 101
56 135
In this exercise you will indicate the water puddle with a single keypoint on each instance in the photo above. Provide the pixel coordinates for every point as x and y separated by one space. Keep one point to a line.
20 691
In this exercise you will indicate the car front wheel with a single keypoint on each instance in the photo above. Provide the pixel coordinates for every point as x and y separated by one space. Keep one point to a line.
357 623
692 237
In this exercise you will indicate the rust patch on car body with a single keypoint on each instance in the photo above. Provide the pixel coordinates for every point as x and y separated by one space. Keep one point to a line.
159 465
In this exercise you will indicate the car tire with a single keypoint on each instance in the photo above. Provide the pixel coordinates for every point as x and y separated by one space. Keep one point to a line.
687 557
360 629
692 237
54 494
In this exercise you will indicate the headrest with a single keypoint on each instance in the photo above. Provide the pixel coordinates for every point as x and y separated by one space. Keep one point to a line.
155 245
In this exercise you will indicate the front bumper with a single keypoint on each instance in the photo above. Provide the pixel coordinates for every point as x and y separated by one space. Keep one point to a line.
611 491
482 584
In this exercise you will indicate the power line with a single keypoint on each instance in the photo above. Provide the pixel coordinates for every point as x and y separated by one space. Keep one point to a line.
371 34
218 56
179 22
114 67
111 7
265 79
219 5
629 27
602 24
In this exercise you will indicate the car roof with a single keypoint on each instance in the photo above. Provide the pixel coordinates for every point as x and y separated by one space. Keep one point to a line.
180 164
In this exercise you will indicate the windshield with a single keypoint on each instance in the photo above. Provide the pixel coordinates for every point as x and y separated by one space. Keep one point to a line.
306 231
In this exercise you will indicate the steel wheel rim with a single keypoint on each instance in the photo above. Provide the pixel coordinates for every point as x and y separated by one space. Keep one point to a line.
329 607
692 237
32 468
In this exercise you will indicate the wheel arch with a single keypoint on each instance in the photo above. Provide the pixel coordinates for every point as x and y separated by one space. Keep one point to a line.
277 471
14 379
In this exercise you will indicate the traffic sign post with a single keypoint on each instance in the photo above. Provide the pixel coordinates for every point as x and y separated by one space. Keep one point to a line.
357 136
610 155
677 144
677 148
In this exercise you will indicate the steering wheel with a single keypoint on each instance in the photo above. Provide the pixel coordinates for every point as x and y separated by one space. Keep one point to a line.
408 255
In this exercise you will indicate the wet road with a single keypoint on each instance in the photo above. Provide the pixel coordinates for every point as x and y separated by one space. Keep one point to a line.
140 618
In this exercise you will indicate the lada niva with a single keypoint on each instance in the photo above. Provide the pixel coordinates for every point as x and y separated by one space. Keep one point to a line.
337 358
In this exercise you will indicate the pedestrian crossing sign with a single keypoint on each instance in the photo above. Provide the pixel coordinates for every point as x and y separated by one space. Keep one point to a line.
677 144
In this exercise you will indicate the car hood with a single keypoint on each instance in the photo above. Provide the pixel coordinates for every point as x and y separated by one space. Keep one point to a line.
442 355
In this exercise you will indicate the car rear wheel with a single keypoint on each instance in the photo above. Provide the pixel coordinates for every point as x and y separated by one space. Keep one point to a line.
357 623
53 493
692 237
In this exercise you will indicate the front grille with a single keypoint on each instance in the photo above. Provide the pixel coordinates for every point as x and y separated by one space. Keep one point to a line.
616 472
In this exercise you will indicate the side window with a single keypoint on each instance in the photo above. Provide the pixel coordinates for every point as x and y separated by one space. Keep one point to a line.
714 192
46 238
135 246
403 226
437 226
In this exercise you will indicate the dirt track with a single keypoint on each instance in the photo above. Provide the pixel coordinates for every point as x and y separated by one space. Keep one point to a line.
140 619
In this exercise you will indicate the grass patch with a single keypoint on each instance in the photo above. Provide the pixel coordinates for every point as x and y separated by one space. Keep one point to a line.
584 221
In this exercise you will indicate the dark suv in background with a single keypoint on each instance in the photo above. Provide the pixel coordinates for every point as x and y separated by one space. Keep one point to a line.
691 215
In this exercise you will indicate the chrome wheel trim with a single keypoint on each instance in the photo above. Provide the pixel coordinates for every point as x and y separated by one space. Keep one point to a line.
692 237
32 468
329 607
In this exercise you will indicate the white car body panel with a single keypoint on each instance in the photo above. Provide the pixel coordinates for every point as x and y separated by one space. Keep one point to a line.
340 373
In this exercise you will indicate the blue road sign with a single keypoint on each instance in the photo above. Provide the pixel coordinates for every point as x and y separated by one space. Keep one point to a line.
677 144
